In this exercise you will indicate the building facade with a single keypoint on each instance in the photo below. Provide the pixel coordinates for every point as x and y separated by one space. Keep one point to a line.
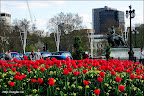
104 18
5 17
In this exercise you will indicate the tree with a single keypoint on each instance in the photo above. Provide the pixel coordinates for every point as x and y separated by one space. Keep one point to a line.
50 41
4 35
68 39
63 24
30 48
21 27
107 52
139 36
77 55
68 22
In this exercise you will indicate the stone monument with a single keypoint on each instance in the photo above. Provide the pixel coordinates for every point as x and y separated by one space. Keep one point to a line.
119 48
115 40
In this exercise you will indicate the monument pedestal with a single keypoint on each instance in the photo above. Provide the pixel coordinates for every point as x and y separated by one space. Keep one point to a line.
123 53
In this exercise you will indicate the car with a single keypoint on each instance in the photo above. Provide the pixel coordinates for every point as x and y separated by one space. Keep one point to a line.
63 53
27 53
21 55
58 57
13 55
45 54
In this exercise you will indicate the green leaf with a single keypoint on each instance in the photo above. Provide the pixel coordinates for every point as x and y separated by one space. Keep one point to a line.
61 93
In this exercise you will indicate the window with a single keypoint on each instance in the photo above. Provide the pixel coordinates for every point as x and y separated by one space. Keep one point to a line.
3 14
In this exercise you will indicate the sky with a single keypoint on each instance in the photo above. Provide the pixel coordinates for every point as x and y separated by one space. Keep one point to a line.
42 11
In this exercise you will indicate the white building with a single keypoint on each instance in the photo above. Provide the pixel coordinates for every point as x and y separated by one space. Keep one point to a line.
99 44
5 17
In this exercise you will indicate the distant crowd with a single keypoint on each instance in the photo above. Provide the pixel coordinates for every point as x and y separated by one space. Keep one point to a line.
32 56
85 55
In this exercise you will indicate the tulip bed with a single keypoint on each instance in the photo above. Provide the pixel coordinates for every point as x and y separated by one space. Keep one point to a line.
72 77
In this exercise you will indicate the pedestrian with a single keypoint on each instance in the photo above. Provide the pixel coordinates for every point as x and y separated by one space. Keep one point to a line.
8 55
85 55
39 56
141 56
32 56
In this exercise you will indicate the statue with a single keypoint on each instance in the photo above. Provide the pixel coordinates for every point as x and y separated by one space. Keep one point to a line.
115 40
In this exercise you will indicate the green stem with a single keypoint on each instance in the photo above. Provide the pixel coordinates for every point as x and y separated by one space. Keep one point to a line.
66 83
47 92
76 82
103 93
85 91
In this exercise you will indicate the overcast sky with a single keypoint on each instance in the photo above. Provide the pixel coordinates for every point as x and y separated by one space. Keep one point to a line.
42 11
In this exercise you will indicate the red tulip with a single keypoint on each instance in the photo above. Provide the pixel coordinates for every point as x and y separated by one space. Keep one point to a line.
132 77
51 79
79 65
20 77
67 58
23 76
51 83
6 65
25 57
28 70
102 74
33 80
139 77
85 65
99 79
76 73
18 65
84 71
15 65
89 67
10 65
46 66
99 69
86 82
5 70
97 91
16 77
28 65
11 84
18 73
42 69
113 73
79 73
121 88
118 79
35 66
70 69
13 69
40 80
65 72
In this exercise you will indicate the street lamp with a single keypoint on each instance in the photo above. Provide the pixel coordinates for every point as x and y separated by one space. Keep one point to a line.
132 15
135 32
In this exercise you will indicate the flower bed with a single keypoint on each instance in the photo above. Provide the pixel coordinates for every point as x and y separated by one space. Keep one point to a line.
72 77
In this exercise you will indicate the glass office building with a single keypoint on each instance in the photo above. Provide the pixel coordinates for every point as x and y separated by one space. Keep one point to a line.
104 18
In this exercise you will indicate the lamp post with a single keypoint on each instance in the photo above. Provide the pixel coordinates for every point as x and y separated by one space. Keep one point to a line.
135 32
132 15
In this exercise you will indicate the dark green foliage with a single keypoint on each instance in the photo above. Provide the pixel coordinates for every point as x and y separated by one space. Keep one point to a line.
107 51
139 37
77 54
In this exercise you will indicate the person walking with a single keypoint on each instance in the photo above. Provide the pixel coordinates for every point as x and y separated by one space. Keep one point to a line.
39 56
141 56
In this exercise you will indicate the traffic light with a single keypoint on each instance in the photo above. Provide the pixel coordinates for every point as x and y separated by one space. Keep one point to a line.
44 48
